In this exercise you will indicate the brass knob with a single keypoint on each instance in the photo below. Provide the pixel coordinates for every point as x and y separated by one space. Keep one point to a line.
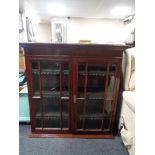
74 98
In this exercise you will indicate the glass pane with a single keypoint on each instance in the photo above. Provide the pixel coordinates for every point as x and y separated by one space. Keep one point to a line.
65 113
106 123
96 80
51 87
50 76
81 78
93 123
51 112
107 108
80 113
37 113
111 79
107 114
94 107
35 77
95 90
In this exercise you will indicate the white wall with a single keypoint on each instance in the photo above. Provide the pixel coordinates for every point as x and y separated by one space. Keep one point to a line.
44 32
96 30
129 28
23 34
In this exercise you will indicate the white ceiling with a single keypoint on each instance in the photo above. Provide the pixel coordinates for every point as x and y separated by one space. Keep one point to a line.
78 8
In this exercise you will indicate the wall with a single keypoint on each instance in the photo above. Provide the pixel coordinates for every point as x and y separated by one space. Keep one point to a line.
44 32
23 34
130 31
96 30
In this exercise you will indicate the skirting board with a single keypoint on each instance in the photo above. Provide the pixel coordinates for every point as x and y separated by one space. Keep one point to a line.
35 135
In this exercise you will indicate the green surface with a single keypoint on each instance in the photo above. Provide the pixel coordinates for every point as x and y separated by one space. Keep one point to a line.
24 115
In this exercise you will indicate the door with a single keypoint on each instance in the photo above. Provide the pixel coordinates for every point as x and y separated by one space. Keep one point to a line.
50 95
94 96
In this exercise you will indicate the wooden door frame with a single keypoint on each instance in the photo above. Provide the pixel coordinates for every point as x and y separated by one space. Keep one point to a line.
60 59
96 60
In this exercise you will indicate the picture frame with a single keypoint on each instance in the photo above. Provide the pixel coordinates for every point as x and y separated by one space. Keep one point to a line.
21 27
59 31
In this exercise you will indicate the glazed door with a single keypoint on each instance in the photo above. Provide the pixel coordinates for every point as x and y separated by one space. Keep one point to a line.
50 96
94 96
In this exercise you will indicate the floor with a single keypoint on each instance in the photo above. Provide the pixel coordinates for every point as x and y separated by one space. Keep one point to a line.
61 146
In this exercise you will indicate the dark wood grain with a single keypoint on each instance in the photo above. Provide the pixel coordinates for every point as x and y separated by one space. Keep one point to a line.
73 54
30 93
71 92
90 136
60 96
85 95
105 96
73 49
40 93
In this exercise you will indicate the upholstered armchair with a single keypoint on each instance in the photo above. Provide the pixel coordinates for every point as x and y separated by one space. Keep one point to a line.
127 111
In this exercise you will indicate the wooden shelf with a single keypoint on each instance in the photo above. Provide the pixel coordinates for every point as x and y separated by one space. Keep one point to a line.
66 72
65 95
86 136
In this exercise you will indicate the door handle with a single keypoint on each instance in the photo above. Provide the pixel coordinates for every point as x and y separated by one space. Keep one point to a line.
36 97
65 98
79 98
74 99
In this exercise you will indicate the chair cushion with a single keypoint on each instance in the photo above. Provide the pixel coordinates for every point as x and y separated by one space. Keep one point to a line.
132 81
129 69
129 96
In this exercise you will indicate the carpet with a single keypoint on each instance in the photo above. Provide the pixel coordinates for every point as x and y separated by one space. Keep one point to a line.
67 146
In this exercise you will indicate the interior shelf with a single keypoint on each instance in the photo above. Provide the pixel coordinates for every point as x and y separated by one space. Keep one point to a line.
57 115
96 73
96 95
66 72
50 71
52 115
93 116
51 94
65 95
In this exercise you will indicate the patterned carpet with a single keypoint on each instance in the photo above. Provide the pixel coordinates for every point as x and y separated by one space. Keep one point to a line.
61 146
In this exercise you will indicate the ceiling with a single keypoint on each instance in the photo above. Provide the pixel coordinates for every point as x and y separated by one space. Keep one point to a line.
77 8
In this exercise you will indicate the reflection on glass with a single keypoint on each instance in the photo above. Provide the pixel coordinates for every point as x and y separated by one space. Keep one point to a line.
108 108
111 81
